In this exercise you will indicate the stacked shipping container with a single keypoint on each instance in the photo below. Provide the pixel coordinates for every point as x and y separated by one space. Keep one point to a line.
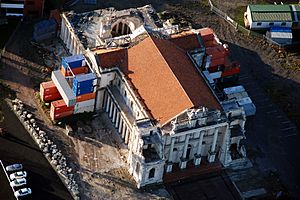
59 109
219 61
83 83
49 92
79 99
73 62
44 30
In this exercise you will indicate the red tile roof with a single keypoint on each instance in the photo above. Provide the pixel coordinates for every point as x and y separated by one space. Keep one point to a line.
164 77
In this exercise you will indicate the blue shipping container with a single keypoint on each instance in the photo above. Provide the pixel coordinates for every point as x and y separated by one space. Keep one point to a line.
83 83
73 61
45 26
46 36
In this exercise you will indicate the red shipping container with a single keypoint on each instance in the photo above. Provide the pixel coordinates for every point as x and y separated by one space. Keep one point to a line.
207 34
86 97
60 115
78 70
59 106
210 43
217 52
217 62
51 97
231 72
47 88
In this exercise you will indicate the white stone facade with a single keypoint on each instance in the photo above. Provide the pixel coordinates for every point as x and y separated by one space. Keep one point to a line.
193 135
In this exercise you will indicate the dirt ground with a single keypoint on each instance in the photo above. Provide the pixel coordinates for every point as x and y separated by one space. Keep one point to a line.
98 157
25 65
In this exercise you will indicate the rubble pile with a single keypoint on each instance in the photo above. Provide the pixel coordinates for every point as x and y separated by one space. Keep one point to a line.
48 147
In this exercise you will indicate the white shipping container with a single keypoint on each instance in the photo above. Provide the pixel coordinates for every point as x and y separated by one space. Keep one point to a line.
87 103
215 75
239 95
244 101
236 89
84 109
63 88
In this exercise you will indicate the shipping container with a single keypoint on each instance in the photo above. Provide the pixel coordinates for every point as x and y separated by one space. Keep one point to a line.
248 106
48 88
85 103
84 106
235 89
55 116
217 52
63 88
73 61
44 27
83 83
46 36
84 109
60 106
75 71
86 97
217 62
51 97
207 34
231 72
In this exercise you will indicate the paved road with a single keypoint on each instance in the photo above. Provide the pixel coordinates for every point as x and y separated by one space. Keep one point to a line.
272 134
214 186
6 192
18 147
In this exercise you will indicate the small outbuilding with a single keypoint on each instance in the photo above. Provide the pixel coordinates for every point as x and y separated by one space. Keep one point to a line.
262 17
280 35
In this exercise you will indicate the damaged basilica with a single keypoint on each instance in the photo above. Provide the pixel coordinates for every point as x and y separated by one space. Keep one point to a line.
151 85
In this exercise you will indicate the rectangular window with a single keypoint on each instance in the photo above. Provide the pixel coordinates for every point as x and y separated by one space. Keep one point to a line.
271 24
259 24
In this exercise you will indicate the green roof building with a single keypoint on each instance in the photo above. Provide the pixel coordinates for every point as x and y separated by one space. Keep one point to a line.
269 15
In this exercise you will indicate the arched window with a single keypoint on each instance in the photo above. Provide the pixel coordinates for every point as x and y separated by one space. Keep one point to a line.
120 29
151 173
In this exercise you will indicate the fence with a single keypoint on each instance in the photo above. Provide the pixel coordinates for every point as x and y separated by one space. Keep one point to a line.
240 28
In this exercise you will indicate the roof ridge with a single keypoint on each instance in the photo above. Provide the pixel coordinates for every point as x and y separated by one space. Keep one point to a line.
171 69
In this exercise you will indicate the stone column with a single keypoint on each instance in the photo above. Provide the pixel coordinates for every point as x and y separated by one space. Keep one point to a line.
114 114
197 159
71 44
63 29
124 130
117 119
224 153
111 109
212 152
120 125
183 159
169 163
107 103
127 134
123 26
66 34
